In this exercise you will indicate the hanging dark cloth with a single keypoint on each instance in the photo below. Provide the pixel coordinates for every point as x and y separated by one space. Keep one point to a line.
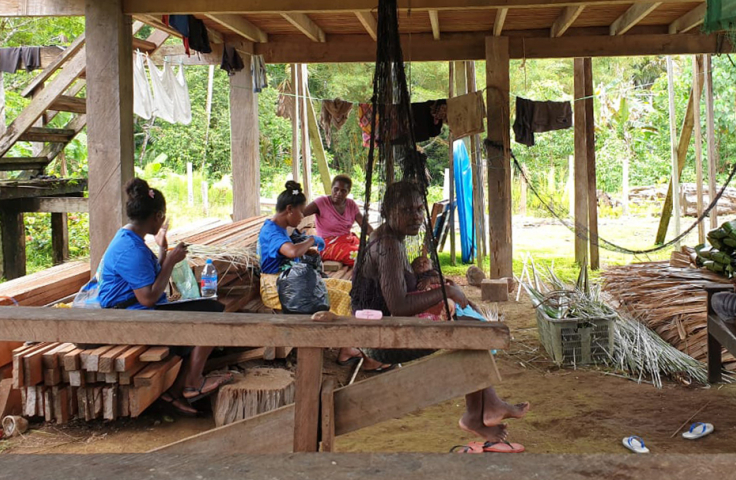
231 61
31 57
538 117
9 59
180 23
198 39
428 119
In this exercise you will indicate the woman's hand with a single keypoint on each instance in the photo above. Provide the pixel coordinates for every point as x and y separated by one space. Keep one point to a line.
455 293
178 254
161 239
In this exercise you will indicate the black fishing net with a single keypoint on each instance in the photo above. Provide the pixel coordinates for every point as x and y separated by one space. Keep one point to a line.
392 157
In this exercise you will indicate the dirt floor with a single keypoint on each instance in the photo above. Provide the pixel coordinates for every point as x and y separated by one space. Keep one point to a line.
573 411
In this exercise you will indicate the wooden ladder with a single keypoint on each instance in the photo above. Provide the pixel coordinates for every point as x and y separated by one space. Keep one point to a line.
51 96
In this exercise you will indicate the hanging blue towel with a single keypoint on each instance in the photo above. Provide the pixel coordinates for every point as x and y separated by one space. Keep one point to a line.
464 194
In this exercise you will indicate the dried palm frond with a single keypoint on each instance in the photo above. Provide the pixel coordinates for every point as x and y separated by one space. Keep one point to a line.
244 258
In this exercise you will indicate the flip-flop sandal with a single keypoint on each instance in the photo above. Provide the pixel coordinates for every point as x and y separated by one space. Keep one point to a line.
350 361
472 447
199 394
635 444
381 369
503 447
176 408
698 430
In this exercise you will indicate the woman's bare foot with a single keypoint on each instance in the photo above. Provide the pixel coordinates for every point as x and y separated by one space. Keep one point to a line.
370 365
495 433
496 412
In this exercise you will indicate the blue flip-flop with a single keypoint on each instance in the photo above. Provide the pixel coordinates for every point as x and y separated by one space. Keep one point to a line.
698 430
635 444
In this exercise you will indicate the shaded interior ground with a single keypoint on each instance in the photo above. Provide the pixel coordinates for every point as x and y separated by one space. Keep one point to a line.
573 411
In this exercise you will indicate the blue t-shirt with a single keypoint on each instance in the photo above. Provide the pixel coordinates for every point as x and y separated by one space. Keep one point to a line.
270 240
128 264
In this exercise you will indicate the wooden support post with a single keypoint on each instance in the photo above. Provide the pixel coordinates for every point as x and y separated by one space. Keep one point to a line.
59 238
477 167
710 138
306 406
673 149
581 165
327 412
451 93
109 67
13 239
244 149
499 156
295 150
522 195
697 89
590 159
682 148
306 149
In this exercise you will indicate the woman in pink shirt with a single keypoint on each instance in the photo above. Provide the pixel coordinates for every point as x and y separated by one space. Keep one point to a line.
335 215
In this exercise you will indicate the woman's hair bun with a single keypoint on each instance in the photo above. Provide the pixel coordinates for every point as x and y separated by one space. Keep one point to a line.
137 188
292 185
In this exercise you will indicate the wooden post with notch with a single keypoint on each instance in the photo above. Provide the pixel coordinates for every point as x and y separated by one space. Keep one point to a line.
307 412
327 412
499 156
451 93
697 89
13 241
581 164
590 160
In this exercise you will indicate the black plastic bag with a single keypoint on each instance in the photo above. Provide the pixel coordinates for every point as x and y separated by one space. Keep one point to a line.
302 290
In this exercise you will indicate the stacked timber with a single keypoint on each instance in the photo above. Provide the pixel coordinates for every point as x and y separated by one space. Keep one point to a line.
46 286
58 381
671 301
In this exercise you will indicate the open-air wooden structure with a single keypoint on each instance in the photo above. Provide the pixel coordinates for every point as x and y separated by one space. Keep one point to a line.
315 31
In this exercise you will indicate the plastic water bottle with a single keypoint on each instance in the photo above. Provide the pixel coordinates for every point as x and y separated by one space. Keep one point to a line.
209 279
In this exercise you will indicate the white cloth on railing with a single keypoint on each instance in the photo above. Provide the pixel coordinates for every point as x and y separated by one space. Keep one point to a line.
163 103
142 101
176 86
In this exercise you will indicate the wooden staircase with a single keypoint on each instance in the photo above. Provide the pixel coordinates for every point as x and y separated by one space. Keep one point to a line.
51 96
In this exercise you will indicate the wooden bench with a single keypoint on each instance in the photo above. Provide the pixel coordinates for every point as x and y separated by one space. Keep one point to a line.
468 367
720 335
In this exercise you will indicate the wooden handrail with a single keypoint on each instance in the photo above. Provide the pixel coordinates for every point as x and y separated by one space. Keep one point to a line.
110 326
41 78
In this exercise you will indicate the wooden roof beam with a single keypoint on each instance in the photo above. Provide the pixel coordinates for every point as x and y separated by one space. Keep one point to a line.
241 26
690 20
369 23
434 19
305 25
565 20
631 17
500 19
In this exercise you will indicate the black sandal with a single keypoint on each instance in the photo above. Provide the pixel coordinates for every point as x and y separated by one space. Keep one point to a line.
199 394
170 403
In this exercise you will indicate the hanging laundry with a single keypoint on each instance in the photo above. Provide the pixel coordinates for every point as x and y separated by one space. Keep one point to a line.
163 103
428 118
31 57
9 59
176 86
180 23
258 70
365 117
231 61
465 114
198 39
142 101
537 117
334 114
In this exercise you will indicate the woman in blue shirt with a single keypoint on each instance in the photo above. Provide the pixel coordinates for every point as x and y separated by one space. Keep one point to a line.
132 277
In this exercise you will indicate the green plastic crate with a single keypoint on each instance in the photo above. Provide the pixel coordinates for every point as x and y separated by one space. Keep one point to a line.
571 341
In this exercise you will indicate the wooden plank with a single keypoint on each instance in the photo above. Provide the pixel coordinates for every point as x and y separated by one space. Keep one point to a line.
698 87
29 409
109 96
107 360
32 365
61 404
94 397
124 401
51 376
59 238
13 242
111 377
688 122
154 354
317 147
72 360
369 23
244 146
10 164
690 20
581 165
241 26
82 405
631 17
434 20
89 377
69 104
674 167
327 414
153 371
39 79
10 399
499 156
48 405
6 352
110 403
305 25
77 378
118 327
217 363
126 377
126 360
43 134
306 410
142 397
50 358
565 20
590 167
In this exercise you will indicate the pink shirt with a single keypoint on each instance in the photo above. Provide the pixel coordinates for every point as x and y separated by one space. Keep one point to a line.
329 222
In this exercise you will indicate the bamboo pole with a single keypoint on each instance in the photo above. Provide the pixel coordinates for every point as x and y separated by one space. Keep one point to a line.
317 147
673 149
306 149
295 123
453 252
697 88
710 136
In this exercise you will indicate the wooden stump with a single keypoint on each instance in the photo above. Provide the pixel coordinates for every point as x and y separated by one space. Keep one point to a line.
256 392
494 290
